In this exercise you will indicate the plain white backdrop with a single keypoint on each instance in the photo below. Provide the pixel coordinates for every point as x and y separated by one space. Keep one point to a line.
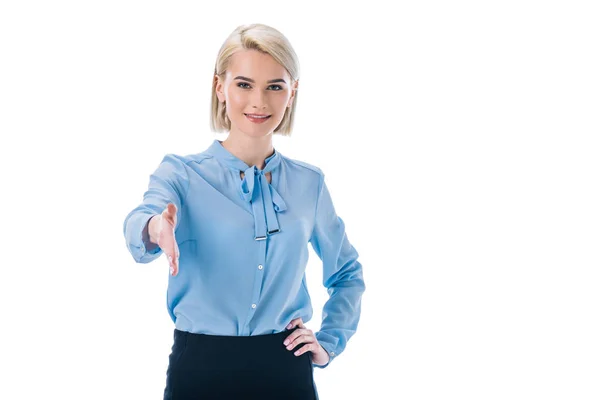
460 141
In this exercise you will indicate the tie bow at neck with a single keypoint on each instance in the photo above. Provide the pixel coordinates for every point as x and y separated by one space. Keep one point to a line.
256 190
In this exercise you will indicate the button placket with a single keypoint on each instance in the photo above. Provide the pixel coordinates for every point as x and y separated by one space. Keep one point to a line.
265 202
258 284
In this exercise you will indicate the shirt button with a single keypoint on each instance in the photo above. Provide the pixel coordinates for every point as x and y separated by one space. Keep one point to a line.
253 305
332 354
260 267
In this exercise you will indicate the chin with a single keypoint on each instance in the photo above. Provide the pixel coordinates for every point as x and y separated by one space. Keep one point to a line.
258 134
251 129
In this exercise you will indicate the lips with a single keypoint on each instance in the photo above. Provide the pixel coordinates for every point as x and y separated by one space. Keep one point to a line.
257 120
258 115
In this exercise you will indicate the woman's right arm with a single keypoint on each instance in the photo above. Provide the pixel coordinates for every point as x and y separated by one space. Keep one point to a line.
169 183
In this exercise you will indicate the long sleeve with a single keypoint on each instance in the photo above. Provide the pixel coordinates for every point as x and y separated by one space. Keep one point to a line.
342 276
169 183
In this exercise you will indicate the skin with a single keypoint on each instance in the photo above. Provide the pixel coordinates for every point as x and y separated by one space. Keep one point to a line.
252 143
319 355
161 229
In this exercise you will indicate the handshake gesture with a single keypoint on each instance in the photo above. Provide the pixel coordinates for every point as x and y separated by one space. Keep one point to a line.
161 230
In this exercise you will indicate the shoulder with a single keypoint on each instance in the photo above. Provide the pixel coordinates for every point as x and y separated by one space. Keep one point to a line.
303 166
186 159
178 166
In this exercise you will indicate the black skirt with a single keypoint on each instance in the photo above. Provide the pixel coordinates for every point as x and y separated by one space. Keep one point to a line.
238 367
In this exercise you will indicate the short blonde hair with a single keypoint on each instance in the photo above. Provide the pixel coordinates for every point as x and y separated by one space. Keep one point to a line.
264 39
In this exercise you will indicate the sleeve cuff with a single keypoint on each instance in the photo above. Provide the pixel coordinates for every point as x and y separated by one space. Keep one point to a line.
137 244
331 353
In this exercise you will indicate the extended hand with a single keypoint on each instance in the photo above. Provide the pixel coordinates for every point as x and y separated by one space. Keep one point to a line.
166 240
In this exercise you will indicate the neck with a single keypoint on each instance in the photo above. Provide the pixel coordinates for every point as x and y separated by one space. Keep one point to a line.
252 151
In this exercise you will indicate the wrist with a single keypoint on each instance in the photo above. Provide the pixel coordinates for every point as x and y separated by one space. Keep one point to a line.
154 228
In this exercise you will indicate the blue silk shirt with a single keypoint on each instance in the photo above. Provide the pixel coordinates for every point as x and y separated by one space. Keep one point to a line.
243 245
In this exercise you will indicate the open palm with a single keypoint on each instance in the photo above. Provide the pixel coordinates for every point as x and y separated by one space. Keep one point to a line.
166 238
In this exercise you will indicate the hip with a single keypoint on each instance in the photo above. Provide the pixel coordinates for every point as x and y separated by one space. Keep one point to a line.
238 365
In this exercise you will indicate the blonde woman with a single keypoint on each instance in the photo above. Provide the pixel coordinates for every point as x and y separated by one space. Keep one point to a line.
235 221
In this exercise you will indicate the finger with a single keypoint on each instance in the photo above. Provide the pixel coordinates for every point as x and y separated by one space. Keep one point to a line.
176 262
172 211
304 349
295 322
168 218
297 337
171 208
291 337
173 269
173 265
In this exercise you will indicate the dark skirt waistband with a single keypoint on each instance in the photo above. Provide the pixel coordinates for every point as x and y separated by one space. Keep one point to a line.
235 367
266 338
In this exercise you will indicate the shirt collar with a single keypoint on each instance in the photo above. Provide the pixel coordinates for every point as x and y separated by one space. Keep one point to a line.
255 189
227 158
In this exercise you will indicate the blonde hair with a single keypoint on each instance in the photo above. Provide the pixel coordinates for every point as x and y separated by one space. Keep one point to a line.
266 40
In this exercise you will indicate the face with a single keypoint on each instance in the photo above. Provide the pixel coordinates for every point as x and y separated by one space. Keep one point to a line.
255 84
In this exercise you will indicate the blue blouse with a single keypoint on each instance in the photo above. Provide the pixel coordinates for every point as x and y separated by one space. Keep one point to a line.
243 246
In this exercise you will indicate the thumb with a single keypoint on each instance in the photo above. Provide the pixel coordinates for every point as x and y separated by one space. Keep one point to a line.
171 209
170 213
295 322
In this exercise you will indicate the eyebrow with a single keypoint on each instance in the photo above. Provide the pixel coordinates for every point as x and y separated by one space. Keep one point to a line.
252 80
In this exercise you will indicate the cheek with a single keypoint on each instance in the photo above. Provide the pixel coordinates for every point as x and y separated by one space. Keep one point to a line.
283 102
236 99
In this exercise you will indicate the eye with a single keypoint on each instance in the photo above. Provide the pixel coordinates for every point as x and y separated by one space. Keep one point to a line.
244 83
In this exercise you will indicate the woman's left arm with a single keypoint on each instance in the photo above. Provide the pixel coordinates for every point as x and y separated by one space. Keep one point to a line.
342 276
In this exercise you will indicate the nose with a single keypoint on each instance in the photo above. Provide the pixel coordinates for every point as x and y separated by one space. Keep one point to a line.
259 100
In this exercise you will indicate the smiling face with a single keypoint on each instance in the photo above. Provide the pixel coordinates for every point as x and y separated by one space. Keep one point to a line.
255 84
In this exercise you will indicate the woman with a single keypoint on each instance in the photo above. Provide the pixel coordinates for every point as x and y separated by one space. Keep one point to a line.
235 221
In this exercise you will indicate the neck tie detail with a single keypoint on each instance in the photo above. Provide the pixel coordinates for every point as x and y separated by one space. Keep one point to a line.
264 199
255 189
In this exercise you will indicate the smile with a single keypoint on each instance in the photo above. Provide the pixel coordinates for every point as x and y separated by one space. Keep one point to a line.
257 119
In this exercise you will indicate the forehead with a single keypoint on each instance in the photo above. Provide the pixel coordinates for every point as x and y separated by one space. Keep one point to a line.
256 65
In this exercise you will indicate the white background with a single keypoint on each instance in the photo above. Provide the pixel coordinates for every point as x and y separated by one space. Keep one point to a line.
460 144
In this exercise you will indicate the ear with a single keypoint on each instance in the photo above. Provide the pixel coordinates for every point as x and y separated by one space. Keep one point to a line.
294 89
219 88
